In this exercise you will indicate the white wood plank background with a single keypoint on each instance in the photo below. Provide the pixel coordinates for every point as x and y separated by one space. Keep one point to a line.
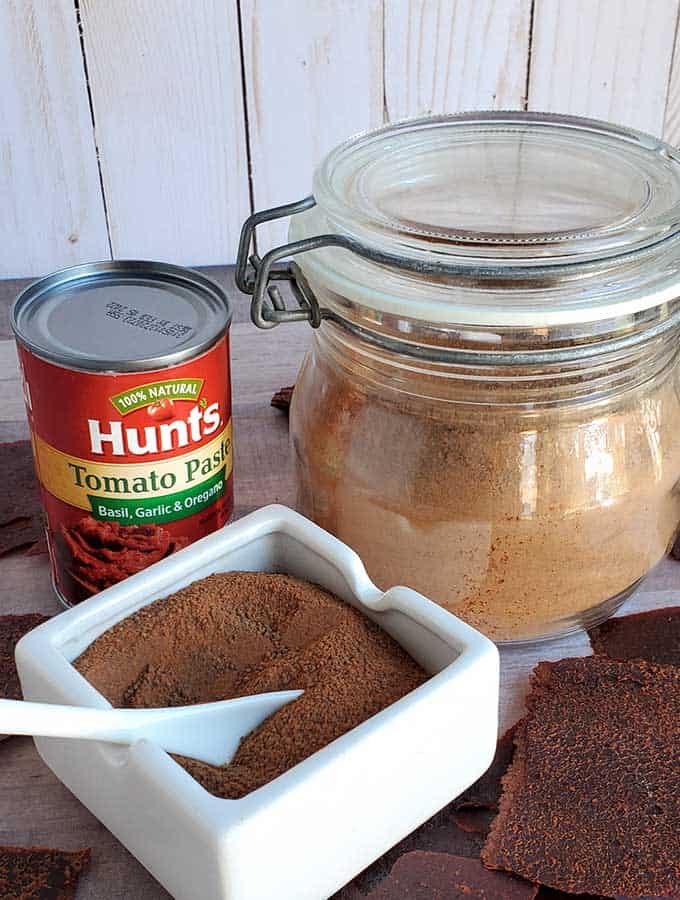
313 73
204 109
51 210
671 129
165 81
451 55
609 59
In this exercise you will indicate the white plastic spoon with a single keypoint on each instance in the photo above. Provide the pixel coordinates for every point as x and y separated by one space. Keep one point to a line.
209 732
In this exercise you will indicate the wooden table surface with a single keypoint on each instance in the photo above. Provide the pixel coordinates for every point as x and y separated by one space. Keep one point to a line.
35 809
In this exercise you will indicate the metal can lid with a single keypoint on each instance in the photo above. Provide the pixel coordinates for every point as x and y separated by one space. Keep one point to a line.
121 315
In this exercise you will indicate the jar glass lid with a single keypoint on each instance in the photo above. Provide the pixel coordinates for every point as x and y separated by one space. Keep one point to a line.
509 219
514 188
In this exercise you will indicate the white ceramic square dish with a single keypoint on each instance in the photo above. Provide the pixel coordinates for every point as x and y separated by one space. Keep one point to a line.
308 832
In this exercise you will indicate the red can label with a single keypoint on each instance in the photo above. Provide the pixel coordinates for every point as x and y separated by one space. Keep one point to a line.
132 466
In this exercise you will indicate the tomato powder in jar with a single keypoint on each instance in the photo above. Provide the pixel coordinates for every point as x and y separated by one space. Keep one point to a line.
127 388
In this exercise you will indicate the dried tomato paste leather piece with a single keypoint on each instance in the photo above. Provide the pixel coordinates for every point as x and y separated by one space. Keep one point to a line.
19 485
486 791
22 534
37 873
21 523
475 819
675 549
424 876
104 553
591 801
282 398
440 834
546 893
654 636
12 629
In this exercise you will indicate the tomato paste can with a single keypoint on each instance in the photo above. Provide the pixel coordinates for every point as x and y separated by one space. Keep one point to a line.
127 385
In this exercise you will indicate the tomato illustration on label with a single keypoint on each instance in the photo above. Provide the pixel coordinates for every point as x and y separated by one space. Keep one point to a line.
162 410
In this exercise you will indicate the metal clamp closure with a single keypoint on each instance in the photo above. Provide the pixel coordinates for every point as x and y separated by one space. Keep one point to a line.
255 274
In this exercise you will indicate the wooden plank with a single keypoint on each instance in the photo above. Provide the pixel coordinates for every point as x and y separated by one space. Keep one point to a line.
9 288
264 361
313 77
453 55
52 208
165 79
12 407
671 128
26 585
609 59
14 431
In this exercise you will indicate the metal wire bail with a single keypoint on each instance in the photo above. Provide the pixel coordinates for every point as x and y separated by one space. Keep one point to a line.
255 274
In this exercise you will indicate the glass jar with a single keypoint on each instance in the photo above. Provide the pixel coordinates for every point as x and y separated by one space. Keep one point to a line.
489 412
